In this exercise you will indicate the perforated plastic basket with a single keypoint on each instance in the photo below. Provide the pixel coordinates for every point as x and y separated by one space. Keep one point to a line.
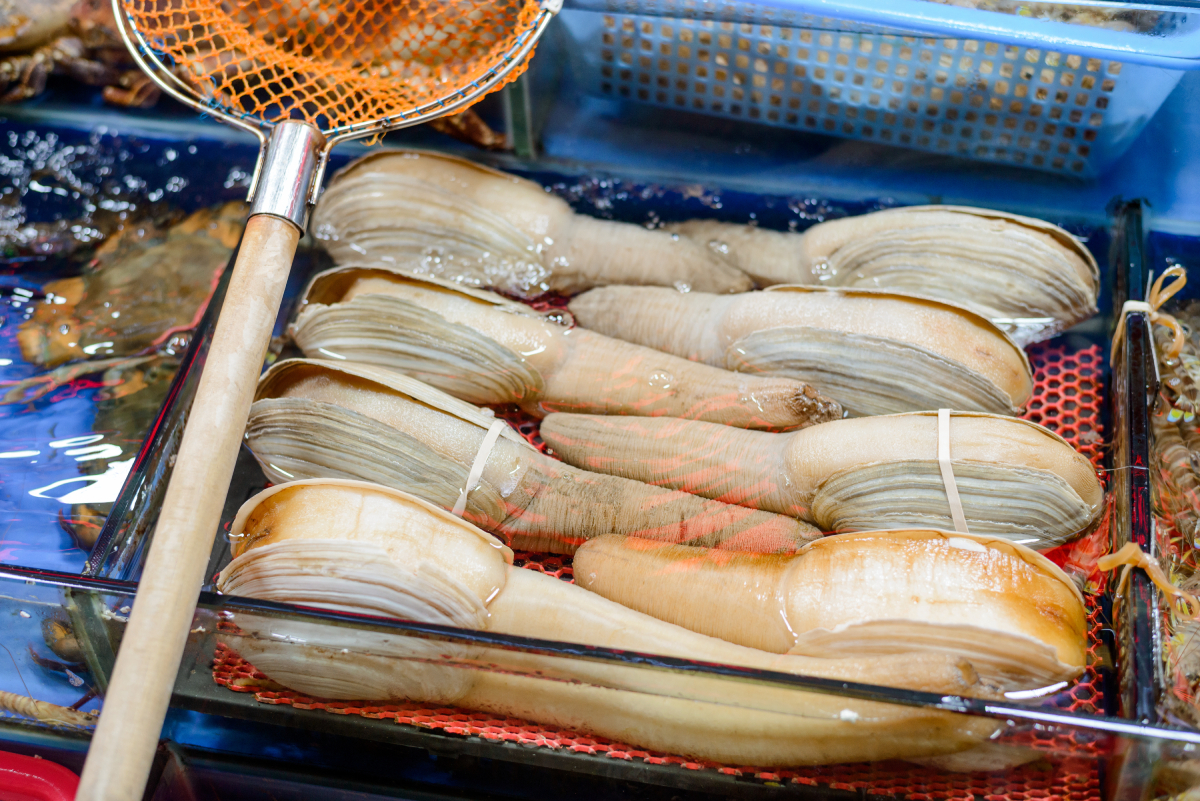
1030 106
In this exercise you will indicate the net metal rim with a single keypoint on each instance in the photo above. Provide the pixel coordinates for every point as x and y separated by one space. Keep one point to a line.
151 61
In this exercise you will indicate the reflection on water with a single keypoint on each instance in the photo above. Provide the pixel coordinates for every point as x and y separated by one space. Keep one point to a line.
103 276
95 489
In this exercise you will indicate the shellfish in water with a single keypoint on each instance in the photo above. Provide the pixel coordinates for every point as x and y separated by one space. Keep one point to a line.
1032 279
314 419
450 218
1016 480
876 352
137 294
1014 614
485 349
360 548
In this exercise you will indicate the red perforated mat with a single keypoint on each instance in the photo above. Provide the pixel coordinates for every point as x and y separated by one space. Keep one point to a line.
1067 398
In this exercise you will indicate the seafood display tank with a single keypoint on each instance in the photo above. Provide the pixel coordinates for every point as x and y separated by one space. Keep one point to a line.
94 418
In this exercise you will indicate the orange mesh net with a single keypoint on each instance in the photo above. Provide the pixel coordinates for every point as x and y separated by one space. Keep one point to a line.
333 63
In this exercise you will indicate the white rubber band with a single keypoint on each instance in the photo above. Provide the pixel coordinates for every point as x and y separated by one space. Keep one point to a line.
956 510
485 450
1137 306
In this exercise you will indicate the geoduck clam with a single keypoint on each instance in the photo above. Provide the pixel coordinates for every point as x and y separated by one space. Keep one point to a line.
486 349
1016 480
451 218
316 419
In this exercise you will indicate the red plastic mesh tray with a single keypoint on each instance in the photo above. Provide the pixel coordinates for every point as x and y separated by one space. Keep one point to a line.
1066 399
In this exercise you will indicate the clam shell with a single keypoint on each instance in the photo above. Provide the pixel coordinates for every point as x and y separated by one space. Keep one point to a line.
357 547
875 351
872 374
1014 614
298 438
395 333
1024 505
372 216
1030 278
331 428
995 263
444 216
869 375
486 349
369 568
1016 480
416 390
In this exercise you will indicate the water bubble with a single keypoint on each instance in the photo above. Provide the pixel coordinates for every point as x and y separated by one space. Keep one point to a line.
683 286
561 317
661 379
823 270
177 343
237 177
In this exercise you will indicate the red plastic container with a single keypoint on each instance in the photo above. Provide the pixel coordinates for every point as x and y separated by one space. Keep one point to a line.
24 778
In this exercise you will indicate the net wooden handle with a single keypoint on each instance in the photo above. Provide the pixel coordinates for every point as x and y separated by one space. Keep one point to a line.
119 759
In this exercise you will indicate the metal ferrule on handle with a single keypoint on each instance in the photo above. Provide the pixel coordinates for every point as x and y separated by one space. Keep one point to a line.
283 179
